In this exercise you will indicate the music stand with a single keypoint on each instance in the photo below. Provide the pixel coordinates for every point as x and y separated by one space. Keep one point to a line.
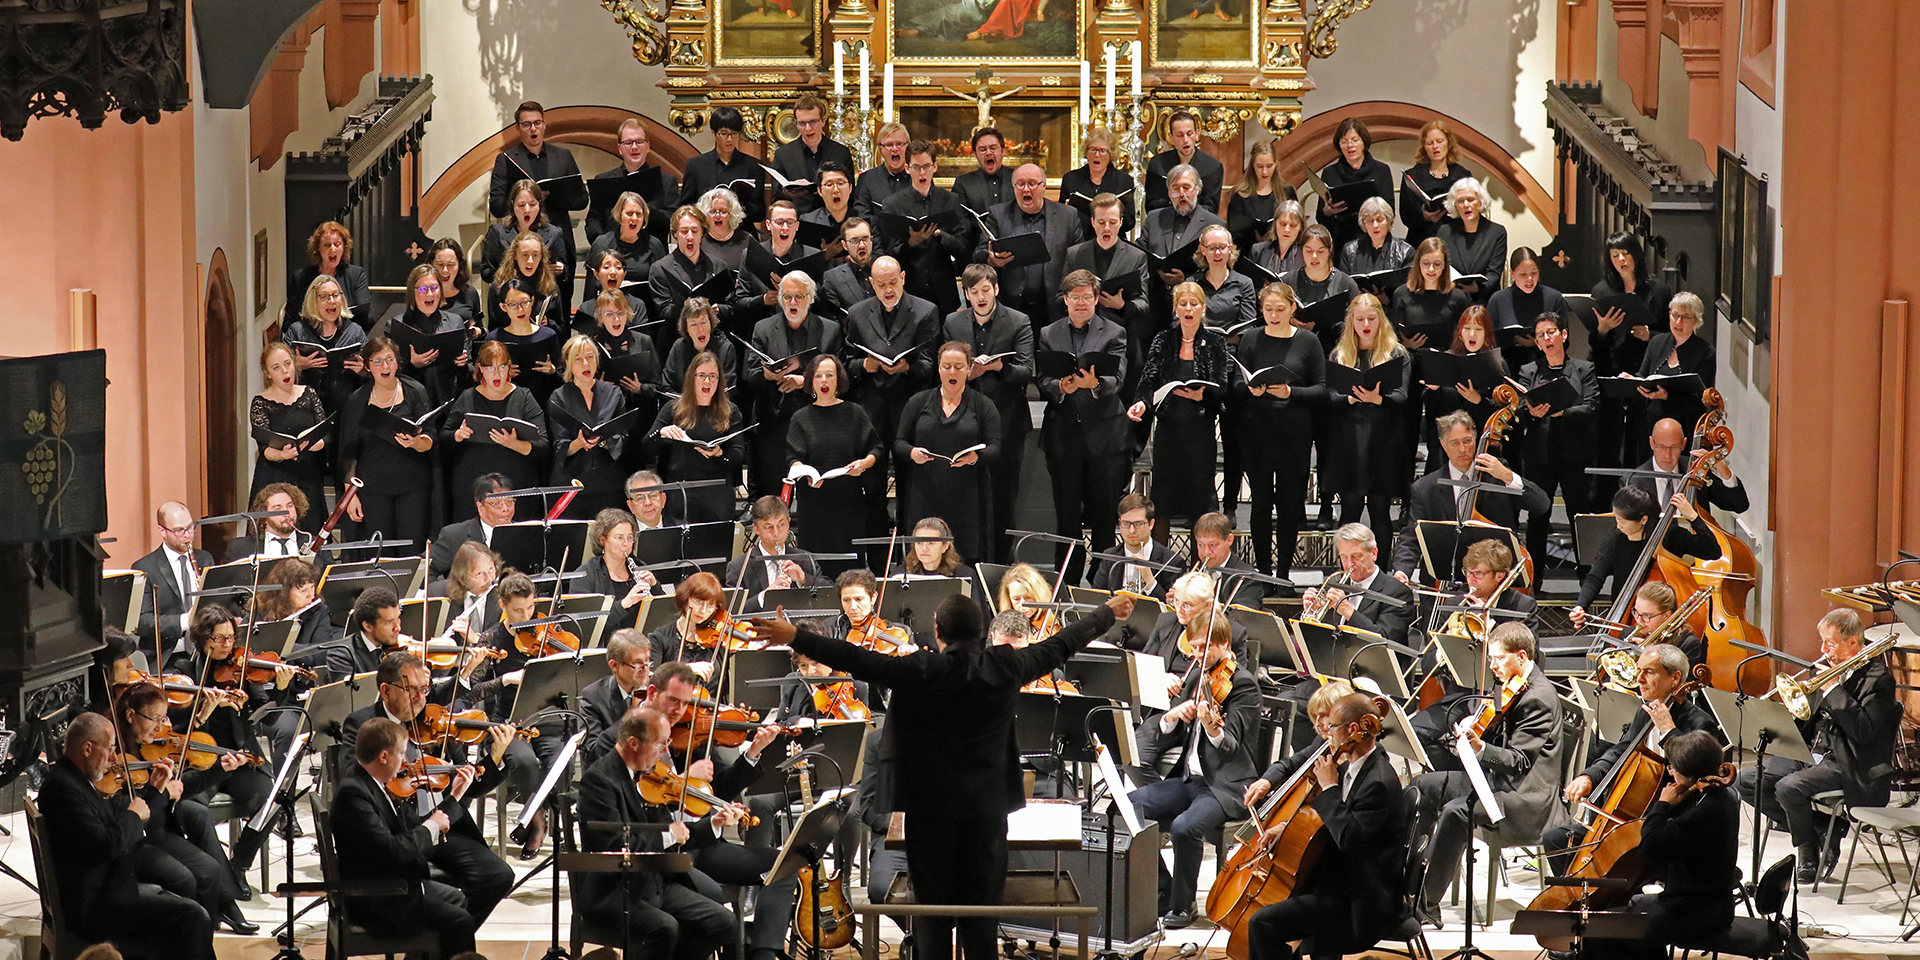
841 744
589 612
911 601
745 667
280 799
715 538
1263 628
1103 673
120 593
1612 710
532 546
1755 726
1444 542
1590 532
342 583
1398 737
806 846
1574 927
1461 656
554 682
329 704
425 617
1059 725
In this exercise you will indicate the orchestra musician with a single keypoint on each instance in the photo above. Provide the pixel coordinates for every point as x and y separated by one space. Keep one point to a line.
1020 585
98 842
794 568
1353 897
1160 566
211 643
698 599
1852 731
1213 556
1206 786
1359 556
1663 669
1669 442
1634 513
1653 605
281 535
647 503
467 588
373 631
491 512
1432 500
376 837
1185 625
173 571
1520 753
664 916
949 741
612 571
604 701
859 595
797 701
1319 711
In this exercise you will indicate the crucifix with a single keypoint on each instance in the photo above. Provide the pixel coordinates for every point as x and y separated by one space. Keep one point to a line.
983 96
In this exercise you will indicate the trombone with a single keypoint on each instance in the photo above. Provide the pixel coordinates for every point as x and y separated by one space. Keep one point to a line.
1795 692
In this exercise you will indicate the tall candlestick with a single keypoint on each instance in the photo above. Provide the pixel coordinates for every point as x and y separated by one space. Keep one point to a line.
1086 92
1134 55
865 91
839 68
886 108
1110 68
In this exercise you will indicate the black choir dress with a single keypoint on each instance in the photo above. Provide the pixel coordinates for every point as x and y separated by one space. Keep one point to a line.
308 471
1346 226
1515 312
1250 218
1411 203
396 500
963 496
1696 357
1369 455
442 376
464 304
597 468
1184 449
479 454
682 461
639 257
542 344
673 371
1482 252
647 400
829 518
334 382
1277 440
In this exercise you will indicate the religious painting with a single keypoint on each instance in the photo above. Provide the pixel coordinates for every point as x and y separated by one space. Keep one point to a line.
765 32
1205 32
985 31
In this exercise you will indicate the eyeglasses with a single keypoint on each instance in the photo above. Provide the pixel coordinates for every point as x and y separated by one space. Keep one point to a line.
413 690
633 143
178 531
334 297
706 378
530 124
921 167
1135 524
427 288
150 718
518 304
793 298
806 124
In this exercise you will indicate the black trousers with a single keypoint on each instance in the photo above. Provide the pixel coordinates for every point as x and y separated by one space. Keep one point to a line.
440 908
1559 840
1446 807
180 866
400 516
1279 510
1273 930
482 877
1086 495
247 785
740 865
1790 789
1187 811
684 925
1379 509
1574 484
1006 486
961 861
180 928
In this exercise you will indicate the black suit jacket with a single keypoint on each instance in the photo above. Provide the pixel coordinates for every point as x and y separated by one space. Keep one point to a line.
982 193
845 285
1128 261
1366 863
1568 439
1522 758
1059 224
1857 723
240 548
608 795
1732 499
375 838
1373 615
753 577
1112 575
949 734
451 538
602 704
1432 500
92 838
1164 642
352 657
1239 591
1212 175
934 265
513 165
1227 766
1686 719
161 580
1008 330
1085 423
659 206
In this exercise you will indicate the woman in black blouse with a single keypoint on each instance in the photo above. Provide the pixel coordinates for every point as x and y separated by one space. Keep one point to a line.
699 320
1281 255
1476 246
1098 175
1317 280
287 407
329 248
831 434
1369 464
537 346
725 242
437 369
637 248
1517 306
1672 353
1472 334
1617 342
584 398
1428 305
612 571
1440 154
682 439
526 215
458 295
1254 200
325 324
607 272
1376 250
1185 417
1634 513
529 262
617 341
298 596
397 467
1353 165
479 446
939 430
1230 312
1276 425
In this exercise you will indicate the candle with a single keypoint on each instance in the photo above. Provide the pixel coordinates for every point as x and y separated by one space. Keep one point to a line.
839 68
886 108
1086 92
1110 68
865 90
1135 56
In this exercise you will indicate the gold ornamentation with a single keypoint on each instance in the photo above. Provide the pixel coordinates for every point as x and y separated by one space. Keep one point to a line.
766 77
686 81
1049 81
689 52
921 81
1280 121
1205 78
1280 55
1327 17
1283 83
687 120
642 22
49 463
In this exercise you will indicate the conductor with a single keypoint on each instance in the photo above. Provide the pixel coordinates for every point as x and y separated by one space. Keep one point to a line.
949 739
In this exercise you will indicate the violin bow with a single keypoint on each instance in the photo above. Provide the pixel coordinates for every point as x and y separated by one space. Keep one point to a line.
887 568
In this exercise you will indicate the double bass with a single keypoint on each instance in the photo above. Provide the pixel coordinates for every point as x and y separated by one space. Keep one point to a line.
1730 579
1493 435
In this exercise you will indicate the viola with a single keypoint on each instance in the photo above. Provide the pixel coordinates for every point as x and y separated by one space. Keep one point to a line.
882 637
545 639
258 668
1219 680
129 769
467 726
1491 712
837 701
180 690
722 628
444 654
662 787
726 724
429 773
1048 684
202 752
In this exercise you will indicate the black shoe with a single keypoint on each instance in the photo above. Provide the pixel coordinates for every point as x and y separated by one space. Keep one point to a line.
237 922
243 890
1177 919
1807 866
1830 858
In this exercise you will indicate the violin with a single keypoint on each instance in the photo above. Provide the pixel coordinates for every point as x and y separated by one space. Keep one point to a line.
180 690
202 753
444 654
880 636
837 701
1493 709
467 726
129 770
430 773
726 724
1219 679
722 628
1048 684
662 787
255 667
545 639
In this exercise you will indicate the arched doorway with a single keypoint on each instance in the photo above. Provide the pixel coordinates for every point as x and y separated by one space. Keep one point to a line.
224 480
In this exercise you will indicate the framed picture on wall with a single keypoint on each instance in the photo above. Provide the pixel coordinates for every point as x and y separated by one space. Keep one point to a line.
260 273
986 32
1204 33
766 32
1746 248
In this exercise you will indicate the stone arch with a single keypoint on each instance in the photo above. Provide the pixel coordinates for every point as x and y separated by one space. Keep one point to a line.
225 386
1311 144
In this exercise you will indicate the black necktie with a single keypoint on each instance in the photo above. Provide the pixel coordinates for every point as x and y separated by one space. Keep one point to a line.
186 578
286 550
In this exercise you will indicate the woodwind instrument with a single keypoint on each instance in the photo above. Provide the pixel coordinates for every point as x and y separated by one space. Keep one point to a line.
339 511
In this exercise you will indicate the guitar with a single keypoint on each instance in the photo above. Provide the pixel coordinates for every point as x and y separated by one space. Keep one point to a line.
836 912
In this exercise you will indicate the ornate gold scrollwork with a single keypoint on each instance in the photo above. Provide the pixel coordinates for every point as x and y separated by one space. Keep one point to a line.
687 120
1327 17
689 52
1280 121
642 21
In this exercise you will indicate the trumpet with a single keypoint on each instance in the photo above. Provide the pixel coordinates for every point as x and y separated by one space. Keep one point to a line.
1678 619
1796 693
1620 670
1323 601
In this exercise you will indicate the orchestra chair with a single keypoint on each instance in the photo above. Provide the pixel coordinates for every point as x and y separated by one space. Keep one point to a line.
1758 936
1573 729
57 940
1899 822
348 939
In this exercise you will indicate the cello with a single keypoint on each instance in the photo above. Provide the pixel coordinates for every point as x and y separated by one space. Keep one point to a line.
1492 435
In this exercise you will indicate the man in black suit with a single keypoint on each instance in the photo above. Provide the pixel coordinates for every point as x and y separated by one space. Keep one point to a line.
771 523
1084 431
533 158
1031 288
663 916
1853 728
949 741
1359 556
756 298
892 323
1663 668
490 512
800 159
660 189
725 164
1560 444
106 883
873 187
1160 566
1178 220
1213 556
373 631
1432 500
991 184
604 701
281 535
1669 442
846 283
1354 896
1520 754
173 570
378 838
1210 778
931 254
1121 266
991 329
1183 129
